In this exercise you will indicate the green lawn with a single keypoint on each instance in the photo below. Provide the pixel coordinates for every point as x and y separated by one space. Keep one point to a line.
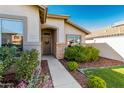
114 76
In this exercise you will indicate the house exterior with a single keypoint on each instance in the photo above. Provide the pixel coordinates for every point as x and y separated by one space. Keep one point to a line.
110 41
26 20
59 31
48 33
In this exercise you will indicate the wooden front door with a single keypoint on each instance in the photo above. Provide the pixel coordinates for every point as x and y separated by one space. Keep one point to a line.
46 42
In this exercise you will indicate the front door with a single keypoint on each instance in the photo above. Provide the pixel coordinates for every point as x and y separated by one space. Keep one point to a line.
46 42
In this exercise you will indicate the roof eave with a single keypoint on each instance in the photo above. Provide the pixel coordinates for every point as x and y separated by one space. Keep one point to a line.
43 13
58 16
78 27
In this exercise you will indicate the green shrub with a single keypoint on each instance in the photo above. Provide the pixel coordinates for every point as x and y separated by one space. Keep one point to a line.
91 54
73 53
94 54
5 52
81 54
7 57
26 64
72 65
1 69
96 82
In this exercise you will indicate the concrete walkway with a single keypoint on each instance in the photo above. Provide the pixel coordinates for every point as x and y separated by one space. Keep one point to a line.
60 76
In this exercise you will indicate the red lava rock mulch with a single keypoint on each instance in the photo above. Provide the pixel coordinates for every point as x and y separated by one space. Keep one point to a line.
81 79
8 81
44 66
45 70
102 62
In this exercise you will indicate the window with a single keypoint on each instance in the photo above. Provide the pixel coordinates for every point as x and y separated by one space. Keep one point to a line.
11 33
73 39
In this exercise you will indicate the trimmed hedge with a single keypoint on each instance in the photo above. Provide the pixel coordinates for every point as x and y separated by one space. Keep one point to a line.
96 82
81 54
72 65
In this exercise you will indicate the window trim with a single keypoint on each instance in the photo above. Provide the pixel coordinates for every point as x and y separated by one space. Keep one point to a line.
5 39
24 20
73 35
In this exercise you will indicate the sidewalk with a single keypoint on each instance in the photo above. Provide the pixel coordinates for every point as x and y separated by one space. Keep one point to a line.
60 76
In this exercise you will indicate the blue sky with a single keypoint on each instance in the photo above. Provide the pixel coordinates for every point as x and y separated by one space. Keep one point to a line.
91 17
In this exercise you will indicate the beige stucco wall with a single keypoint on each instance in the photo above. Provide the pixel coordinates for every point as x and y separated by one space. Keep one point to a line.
69 29
63 29
107 51
31 13
59 23
115 42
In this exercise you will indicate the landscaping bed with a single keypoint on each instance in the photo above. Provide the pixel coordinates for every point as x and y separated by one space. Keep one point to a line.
24 70
102 62
45 80
113 76
9 81
91 70
46 72
81 79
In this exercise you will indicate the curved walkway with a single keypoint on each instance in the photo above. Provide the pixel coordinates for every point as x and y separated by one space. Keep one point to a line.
60 76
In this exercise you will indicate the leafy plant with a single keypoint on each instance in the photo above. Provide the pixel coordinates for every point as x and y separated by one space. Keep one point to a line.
1 70
33 82
94 54
96 82
46 81
72 65
6 51
73 53
81 54
7 58
26 64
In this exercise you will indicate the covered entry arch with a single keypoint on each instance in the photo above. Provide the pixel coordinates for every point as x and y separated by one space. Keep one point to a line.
48 40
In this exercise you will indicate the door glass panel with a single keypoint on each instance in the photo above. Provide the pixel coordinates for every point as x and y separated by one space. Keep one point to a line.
46 33
12 33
